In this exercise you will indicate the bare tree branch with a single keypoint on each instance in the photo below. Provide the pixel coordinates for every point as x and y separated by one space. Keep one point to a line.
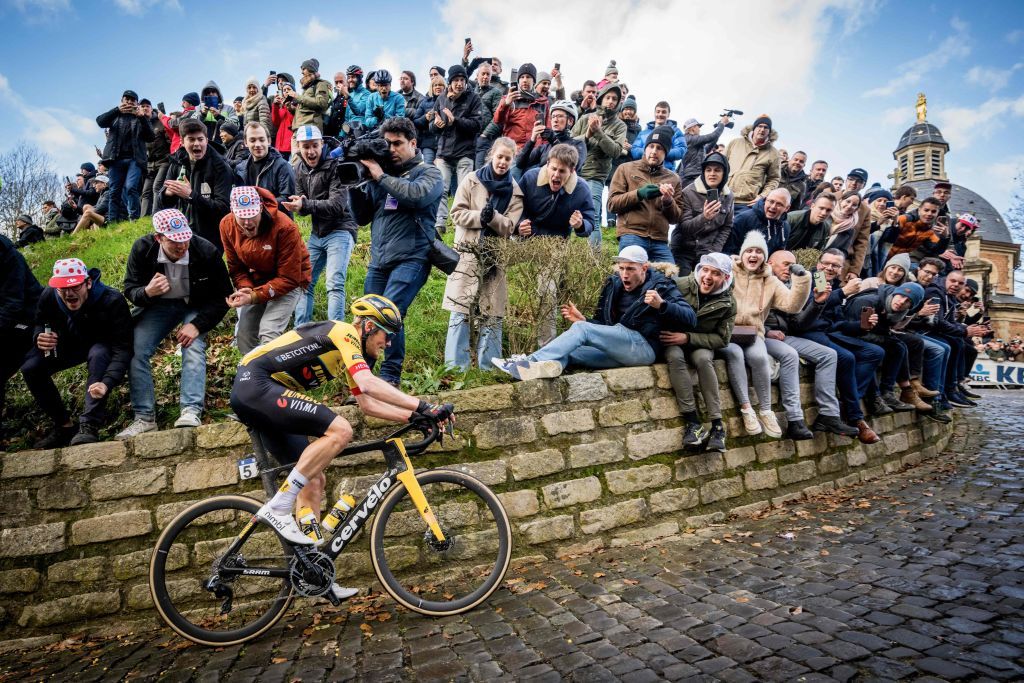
28 181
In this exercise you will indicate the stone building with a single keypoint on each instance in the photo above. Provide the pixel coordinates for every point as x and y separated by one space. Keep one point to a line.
992 256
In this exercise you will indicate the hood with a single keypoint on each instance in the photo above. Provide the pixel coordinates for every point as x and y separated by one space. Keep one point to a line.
212 87
722 262
269 206
667 269
608 87
772 136
668 122
716 158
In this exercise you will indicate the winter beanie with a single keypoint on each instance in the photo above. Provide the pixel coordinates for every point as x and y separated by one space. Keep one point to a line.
528 69
191 98
765 119
756 239
311 64
662 135
612 69
629 103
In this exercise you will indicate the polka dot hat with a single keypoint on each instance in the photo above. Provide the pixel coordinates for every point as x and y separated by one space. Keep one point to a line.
246 202
172 224
68 272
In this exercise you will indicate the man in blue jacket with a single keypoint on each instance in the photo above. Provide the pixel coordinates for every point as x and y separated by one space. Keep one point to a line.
384 103
555 202
768 215
635 306
358 95
402 205
678 150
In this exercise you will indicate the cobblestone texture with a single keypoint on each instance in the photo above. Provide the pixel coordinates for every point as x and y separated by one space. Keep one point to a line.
915 575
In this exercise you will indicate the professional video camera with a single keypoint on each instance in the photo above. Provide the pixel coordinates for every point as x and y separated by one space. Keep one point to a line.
357 145
730 113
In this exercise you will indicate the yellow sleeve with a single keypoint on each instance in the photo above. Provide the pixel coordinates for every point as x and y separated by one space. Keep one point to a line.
346 340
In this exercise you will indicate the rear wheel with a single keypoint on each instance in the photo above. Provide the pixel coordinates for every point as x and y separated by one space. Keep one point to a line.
452 576
189 587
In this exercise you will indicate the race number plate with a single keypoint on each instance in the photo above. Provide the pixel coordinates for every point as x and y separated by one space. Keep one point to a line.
247 468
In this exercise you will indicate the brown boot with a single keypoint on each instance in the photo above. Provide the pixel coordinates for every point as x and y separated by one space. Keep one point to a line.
922 390
908 395
866 434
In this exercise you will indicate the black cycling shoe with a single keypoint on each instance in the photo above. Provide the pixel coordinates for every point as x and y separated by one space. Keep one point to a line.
716 442
695 434
830 423
798 431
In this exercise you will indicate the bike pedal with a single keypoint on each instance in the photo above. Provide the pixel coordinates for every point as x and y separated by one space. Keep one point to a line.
330 596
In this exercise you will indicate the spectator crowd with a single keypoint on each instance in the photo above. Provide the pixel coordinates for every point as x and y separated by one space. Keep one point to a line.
739 252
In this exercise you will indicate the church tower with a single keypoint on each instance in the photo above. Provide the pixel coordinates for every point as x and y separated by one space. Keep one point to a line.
921 154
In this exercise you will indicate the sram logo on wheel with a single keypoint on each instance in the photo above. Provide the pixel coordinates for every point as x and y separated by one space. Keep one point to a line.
361 513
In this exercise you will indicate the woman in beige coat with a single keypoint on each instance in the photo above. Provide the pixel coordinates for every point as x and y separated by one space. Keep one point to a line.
256 108
488 203
757 291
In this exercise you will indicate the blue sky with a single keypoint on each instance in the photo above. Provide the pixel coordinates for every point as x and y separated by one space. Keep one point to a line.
839 78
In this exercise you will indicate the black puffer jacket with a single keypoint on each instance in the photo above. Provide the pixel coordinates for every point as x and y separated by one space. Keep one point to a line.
675 315
208 280
158 150
102 319
326 199
127 135
19 289
695 236
210 178
458 139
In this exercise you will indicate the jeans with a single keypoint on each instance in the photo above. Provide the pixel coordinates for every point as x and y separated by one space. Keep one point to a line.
483 146
953 364
462 168
333 250
934 373
824 360
736 359
14 344
488 343
894 365
598 347
264 322
849 368
656 249
597 193
401 284
151 328
38 369
154 179
125 176
682 383
868 357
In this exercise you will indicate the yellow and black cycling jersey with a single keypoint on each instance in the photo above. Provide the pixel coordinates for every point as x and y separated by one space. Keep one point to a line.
309 356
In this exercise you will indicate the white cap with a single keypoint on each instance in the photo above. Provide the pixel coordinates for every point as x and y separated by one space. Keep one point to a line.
632 254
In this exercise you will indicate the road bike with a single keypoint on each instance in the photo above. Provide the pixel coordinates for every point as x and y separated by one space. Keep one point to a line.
220 576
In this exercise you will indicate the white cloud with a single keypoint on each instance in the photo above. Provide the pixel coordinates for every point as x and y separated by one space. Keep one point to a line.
990 78
962 126
37 11
895 115
317 32
139 7
911 73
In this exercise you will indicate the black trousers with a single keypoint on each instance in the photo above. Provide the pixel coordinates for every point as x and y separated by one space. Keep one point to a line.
14 344
39 369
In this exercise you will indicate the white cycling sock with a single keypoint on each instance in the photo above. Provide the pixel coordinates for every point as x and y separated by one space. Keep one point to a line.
284 500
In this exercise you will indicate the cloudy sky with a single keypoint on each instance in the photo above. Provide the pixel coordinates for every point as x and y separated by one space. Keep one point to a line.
838 77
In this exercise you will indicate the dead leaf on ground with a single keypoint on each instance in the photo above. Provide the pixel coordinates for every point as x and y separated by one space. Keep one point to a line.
832 529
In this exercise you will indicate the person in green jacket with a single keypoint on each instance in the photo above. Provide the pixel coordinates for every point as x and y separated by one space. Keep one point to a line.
708 291
312 104
810 228
604 134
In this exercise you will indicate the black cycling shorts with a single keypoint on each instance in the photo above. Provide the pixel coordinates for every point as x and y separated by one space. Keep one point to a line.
283 417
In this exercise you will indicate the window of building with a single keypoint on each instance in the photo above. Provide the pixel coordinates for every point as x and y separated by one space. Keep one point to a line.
919 164
936 163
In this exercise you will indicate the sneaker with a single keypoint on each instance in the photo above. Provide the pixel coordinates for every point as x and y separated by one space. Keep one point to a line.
190 417
527 370
695 434
798 431
876 406
716 442
139 426
284 524
342 593
960 401
771 424
86 434
509 366
59 436
830 423
966 391
893 402
750 421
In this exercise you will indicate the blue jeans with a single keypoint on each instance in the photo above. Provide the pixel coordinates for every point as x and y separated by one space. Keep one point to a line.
401 284
656 250
333 250
868 357
456 346
596 192
594 346
125 176
934 373
954 363
151 328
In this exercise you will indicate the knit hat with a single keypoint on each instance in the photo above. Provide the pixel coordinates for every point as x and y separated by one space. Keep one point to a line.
543 76
765 119
440 70
901 260
876 191
612 69
718 261
68 272
311 64
191 98
24 218
172 224
912 291
88 167
858 173
230 127
101 179
629 103
632 254
754 239
130 94
971 285
528 69
245 202
662 135
239 99
457 71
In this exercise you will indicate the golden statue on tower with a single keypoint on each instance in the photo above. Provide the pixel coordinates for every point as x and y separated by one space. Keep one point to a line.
922 107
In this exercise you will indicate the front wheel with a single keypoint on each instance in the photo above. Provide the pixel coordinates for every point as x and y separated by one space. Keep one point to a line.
453 576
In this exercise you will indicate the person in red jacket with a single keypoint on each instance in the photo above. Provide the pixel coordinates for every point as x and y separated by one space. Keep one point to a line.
520 110
268 264
281 115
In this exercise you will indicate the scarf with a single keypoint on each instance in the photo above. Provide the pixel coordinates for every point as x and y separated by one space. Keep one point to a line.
841 224
498 187
251 101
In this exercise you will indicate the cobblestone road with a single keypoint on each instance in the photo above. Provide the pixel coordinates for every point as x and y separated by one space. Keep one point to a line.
913 576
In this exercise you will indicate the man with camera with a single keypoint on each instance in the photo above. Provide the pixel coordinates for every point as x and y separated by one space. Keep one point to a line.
536 150
458 117
400 202
128 131
265 167
319 193
917 233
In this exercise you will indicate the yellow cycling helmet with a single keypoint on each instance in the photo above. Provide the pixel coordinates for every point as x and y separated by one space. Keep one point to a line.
381 310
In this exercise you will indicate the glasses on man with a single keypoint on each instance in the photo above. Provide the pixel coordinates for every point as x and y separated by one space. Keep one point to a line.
829 266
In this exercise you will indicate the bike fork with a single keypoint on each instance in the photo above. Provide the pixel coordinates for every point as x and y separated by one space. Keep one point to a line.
408 479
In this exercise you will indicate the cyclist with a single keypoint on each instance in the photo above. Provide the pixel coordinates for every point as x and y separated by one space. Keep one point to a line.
267 394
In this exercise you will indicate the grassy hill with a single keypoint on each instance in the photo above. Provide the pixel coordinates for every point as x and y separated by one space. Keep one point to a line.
108 249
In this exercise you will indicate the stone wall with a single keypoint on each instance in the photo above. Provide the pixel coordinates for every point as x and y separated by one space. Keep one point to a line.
581 462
